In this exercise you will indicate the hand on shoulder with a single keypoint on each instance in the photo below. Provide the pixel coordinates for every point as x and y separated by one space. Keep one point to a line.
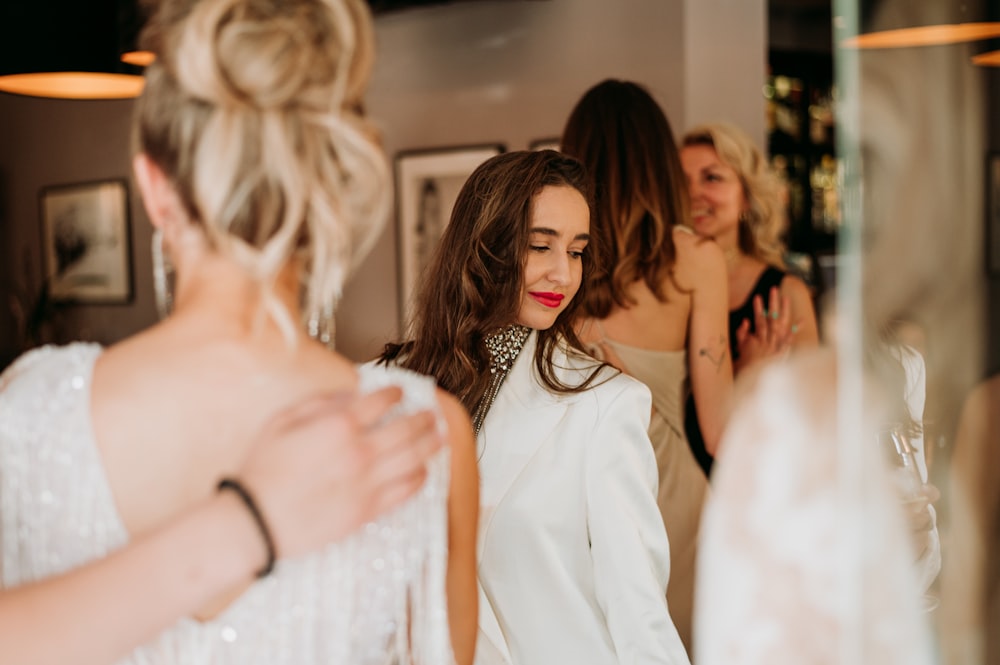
351 465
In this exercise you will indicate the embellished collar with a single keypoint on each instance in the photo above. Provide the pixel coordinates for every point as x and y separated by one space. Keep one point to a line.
504 345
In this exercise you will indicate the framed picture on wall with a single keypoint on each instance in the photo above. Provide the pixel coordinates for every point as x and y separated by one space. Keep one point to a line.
993 214
427 185
85 242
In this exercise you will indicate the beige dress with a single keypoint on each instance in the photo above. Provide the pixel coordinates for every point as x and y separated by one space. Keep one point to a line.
682 483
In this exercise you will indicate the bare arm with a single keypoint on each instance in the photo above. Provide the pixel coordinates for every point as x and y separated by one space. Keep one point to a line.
709 361
105 609
319 471
463 516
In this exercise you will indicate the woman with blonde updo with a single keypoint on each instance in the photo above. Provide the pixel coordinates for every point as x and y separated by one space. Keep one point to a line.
736 200
145 486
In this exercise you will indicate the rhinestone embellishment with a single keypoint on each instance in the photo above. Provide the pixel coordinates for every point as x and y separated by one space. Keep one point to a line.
504 346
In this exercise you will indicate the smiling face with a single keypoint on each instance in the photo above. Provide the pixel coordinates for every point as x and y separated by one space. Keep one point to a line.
717 197
559 233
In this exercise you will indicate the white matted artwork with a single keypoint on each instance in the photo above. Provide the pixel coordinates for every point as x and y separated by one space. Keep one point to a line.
427 185
85 240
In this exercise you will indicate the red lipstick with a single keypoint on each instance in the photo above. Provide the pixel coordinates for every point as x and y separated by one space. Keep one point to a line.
552 300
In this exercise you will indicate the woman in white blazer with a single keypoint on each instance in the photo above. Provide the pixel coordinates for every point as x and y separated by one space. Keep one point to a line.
573 556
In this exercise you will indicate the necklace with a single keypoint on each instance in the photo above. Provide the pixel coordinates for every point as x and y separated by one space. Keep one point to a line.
504 346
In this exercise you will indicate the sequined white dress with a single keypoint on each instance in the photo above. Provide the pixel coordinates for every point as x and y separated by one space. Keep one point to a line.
355 602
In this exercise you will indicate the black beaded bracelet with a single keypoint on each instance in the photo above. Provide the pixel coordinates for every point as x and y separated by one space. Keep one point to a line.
237 487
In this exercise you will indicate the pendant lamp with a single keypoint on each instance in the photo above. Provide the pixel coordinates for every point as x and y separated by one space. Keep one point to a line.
921 23
68 48
925 35
988 59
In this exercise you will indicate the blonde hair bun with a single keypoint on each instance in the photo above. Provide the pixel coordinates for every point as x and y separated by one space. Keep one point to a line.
253 109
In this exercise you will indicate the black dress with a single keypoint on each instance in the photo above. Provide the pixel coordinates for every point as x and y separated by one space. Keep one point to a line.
771 277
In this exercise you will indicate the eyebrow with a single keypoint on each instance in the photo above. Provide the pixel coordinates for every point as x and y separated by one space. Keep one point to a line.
544 230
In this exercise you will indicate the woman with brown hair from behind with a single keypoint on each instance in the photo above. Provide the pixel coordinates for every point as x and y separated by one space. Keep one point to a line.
658 308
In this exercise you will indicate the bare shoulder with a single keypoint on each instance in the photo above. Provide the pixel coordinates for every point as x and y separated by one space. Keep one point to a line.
793 287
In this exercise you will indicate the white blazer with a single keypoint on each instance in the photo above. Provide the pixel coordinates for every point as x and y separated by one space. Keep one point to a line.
573 556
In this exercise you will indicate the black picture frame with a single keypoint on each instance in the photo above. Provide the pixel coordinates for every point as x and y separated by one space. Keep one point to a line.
427 184
86 242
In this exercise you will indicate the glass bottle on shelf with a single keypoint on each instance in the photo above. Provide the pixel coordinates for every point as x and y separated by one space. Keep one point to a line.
824 181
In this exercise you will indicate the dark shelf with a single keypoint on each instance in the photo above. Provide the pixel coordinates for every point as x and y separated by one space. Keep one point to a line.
801 144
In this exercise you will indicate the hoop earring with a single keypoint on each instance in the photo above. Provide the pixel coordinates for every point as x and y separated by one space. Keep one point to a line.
163 274
321 325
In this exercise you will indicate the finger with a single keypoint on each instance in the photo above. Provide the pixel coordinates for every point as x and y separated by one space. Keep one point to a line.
786 310
760 318
389 496
931 492
742 333
780 314
404 460
774 305
371 408
758 309
783 325
308 409
397 434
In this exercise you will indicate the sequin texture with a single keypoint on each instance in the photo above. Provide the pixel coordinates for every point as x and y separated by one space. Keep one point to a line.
378 597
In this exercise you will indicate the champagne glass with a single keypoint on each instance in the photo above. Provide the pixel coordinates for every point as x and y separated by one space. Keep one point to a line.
902 459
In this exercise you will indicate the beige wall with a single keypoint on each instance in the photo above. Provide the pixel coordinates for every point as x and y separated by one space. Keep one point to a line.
510 72
468 73
51 142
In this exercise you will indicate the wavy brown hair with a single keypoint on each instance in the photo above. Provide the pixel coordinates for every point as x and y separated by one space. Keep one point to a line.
473 285
624 140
